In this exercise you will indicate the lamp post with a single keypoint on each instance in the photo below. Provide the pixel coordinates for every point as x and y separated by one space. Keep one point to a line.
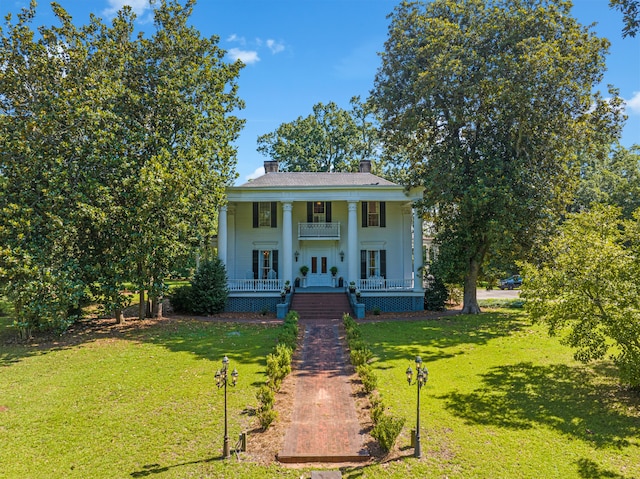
422 375
222 378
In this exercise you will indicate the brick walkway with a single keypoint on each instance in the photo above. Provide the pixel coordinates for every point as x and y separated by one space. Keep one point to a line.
324 424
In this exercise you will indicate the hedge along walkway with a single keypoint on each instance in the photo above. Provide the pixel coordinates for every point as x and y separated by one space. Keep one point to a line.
324 424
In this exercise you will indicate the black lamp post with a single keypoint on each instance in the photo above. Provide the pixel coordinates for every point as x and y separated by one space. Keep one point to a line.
222 378
422 375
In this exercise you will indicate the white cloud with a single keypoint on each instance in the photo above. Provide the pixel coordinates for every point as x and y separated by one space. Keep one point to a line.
139 7
248 57
274 46
633 105
235 38
257 172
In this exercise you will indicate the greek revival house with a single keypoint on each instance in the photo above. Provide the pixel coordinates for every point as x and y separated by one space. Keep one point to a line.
359 224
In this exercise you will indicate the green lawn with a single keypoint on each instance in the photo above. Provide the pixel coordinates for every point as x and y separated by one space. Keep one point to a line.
503 401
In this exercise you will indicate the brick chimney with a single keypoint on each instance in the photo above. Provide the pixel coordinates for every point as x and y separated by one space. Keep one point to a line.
365 166
270 166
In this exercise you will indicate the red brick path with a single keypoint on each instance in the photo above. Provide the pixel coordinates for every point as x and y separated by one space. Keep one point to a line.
324 424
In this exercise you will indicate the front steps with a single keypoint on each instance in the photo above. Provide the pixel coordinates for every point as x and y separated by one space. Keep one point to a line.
313 306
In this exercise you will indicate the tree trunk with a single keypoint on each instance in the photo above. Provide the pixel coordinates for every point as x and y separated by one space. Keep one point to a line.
156 308
117 312
470 301
142 305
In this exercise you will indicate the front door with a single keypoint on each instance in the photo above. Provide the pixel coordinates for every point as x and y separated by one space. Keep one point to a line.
319 274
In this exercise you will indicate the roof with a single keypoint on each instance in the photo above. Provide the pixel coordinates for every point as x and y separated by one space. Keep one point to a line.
314 179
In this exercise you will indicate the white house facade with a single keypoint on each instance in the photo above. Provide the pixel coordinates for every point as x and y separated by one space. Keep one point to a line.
358 223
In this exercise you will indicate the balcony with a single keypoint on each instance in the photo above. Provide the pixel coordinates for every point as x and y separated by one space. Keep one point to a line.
318 231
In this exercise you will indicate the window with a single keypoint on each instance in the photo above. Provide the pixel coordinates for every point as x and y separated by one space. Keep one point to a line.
265 264
373 214
319 215
373 264
319 212
265 214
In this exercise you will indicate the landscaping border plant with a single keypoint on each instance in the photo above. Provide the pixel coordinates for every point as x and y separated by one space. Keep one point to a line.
278 367
386 427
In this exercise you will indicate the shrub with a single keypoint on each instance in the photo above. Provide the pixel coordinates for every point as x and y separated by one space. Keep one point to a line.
360 356
368 377
386 430
209 287
267 398
266 417
278 365
181 299
435 294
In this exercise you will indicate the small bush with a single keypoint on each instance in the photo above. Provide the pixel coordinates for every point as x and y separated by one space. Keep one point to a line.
376 310
377 411
368 377
361 356
267 417
267 398
278 365
386 431
181 299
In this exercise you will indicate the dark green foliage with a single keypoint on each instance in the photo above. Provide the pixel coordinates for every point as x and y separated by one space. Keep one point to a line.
181 299
207 293
435 294
266 417
386 431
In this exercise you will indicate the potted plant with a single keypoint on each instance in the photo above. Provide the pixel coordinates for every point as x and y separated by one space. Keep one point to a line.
334 270
287 286
352 287
304 269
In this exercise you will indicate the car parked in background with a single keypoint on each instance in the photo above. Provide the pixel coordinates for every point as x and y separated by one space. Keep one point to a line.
511 282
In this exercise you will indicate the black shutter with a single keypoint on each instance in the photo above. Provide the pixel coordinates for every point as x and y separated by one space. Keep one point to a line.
363 264
274 261
255 263
274 214
327 211
365 214
383 214
309 212
255 215
383 263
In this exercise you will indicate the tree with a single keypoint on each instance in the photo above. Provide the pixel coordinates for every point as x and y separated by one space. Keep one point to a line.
612 179
330 139
586 291
115 151
489 101
630 10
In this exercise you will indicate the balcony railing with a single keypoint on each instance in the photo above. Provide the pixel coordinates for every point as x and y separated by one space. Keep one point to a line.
250 285
383 284
319 231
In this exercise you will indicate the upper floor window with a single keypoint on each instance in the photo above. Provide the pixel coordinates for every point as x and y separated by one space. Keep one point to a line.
318 212
373 214
265 214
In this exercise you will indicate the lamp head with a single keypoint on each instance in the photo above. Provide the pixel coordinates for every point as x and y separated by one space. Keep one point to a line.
409 374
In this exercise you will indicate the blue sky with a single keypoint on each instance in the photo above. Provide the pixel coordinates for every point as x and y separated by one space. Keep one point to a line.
301 52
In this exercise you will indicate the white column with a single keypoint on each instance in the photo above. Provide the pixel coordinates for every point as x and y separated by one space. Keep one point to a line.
417 251
353 255
222 235
287 243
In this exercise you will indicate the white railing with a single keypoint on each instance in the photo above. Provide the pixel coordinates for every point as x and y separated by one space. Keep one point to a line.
382 284
254 284
319 230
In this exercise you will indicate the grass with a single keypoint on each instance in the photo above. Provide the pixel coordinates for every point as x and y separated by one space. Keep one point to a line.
503 401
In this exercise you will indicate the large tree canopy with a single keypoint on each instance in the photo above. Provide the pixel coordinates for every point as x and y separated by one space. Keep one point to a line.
489 101
330 139
115 149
